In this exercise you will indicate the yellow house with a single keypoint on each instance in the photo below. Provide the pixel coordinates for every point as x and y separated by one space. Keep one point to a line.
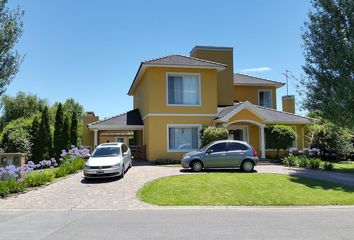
176 96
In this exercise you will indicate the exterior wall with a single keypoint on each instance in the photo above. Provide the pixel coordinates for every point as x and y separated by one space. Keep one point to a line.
154 92
250 93
246 114
288 103
87 135
155 135
226 77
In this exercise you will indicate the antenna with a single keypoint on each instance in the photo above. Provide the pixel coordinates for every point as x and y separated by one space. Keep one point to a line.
287 75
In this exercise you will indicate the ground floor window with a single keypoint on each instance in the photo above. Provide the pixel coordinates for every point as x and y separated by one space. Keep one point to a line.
183 138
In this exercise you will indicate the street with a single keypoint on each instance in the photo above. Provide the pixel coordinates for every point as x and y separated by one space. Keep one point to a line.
238 223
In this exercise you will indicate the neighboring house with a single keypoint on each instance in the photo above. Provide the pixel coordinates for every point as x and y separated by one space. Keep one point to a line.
176 96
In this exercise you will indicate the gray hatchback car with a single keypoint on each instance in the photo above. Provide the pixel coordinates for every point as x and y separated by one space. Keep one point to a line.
222 154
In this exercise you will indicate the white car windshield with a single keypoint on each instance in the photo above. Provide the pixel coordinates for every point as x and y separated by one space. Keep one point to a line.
106 152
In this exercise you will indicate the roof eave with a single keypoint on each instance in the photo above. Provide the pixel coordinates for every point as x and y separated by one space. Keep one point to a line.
260 85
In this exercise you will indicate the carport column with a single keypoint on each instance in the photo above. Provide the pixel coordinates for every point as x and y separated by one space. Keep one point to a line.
262 142
95 134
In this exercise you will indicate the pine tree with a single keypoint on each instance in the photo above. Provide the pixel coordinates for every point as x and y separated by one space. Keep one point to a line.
44 136
66 134
36 148
73 130
58 141
329 54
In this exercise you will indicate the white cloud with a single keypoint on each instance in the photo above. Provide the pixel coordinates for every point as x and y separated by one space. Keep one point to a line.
261 69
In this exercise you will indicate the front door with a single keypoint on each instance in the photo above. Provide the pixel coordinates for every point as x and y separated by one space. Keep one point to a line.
240 133
216 156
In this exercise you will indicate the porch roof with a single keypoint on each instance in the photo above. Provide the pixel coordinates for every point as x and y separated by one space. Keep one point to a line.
269 115
126 121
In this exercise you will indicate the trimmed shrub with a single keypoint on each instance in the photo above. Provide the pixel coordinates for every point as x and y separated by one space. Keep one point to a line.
279 137
315 163
4 189
211 134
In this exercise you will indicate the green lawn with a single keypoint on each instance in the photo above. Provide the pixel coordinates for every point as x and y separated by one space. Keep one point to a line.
344 167
238 189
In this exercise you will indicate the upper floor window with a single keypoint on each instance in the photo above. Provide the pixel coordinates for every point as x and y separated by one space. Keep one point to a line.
265 98
183 89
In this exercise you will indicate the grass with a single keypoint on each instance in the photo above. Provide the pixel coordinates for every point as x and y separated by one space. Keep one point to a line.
344 167
233 189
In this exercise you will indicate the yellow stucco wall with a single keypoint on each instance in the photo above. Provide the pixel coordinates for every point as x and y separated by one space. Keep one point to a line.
152 90
245 114
250 93
155 135
87 135
225 77
288 103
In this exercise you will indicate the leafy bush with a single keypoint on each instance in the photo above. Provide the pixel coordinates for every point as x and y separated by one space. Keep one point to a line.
279 137
333 141
16 136
15 186
4 189
211 134
69 167
38 178
304 162
315 163
291 161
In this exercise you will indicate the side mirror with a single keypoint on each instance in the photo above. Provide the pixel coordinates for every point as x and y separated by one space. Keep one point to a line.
125 153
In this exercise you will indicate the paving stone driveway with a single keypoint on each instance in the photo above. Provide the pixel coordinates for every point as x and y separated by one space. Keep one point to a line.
76 193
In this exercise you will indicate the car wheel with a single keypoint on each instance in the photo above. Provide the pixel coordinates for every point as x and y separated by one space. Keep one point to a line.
247 166
197 166
123 171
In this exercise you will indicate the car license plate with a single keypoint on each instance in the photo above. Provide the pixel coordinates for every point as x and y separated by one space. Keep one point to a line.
100 172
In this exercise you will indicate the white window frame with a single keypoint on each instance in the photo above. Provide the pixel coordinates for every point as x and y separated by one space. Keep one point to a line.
168 126
181 74
271 97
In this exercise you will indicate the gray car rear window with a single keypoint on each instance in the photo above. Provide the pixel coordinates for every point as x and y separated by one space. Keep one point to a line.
233 146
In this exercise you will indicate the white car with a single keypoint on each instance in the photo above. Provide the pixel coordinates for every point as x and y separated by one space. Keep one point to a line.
108 160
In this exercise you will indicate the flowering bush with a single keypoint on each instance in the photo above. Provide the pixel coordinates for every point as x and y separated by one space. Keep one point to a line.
74 152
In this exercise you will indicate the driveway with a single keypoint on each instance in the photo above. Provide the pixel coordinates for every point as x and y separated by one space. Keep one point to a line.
74 192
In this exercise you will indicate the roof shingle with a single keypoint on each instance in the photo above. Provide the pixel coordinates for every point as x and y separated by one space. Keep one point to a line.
132 117
242 79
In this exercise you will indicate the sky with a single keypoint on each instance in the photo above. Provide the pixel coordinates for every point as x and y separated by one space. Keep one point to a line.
90 50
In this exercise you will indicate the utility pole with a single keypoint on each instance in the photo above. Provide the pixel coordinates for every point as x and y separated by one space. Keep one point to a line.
287 75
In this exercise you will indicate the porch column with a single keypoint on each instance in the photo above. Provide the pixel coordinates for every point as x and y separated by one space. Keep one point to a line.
262 142
95 135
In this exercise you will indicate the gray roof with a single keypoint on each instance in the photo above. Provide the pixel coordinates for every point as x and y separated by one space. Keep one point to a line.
132 118
181 60
243 79
273 116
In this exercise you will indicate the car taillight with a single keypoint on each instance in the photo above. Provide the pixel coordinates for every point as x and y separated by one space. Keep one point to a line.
254 152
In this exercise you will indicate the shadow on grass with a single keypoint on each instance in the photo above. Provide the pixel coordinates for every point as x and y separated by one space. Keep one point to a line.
320 184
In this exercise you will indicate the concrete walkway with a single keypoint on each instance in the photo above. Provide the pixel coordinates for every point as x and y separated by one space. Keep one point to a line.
75 192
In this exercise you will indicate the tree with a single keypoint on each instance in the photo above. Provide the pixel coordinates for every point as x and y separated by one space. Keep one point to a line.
71 107
45 136
329 54
10 32
279 137
58 140
73 130
16 136
22 106
66 133
36 148
330 139
211 134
